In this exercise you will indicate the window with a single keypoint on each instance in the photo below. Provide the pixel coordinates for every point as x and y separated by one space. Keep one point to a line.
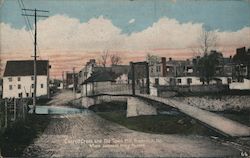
19 86
10 79
157 81
179 80
10 87
18 78
32 86
41 85
189 80
20 95
32 77
229 80
32 95
27 94
158 69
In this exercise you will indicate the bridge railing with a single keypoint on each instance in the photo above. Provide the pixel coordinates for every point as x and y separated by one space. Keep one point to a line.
113 89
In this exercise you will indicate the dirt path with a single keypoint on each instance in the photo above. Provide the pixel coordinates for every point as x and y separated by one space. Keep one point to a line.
88 135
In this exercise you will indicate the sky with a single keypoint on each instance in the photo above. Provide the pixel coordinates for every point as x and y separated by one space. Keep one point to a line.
78 30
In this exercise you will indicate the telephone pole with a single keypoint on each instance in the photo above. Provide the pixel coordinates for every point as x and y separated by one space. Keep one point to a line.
74 84
35 15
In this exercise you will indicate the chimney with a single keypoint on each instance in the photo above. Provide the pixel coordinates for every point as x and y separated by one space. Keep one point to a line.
164 68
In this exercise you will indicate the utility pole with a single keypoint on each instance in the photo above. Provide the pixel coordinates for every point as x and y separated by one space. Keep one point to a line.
63 79
133 77
35 49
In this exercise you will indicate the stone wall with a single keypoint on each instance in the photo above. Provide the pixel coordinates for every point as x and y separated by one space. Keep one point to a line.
218 104
137 107
193 88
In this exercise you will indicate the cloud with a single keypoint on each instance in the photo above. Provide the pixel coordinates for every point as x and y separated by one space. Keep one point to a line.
1 2
62 34
131 21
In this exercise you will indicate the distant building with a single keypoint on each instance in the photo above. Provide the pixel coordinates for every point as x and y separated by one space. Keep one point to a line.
241 70
86 71
92 76
18 79
70 77
97 81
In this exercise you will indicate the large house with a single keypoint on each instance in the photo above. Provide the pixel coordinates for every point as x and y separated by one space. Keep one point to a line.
18 79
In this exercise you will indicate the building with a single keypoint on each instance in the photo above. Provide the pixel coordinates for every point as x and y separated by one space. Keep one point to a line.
18 79
157 72
97 82
181 72
241 70
70 77
86 71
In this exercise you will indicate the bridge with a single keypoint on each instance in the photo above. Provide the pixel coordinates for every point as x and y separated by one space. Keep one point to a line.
214 121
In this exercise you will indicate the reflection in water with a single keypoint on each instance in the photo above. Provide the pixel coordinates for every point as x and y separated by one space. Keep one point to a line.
58 110
171 112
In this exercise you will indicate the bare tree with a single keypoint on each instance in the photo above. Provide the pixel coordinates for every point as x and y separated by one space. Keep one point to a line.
115 59
103 58
152 59
207 41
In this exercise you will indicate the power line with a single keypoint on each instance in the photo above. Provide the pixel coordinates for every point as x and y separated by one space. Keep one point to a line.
28 24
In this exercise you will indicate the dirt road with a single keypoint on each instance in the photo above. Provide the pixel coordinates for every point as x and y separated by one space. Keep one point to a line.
88 135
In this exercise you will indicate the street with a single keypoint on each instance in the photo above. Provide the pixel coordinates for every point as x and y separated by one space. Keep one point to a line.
88 135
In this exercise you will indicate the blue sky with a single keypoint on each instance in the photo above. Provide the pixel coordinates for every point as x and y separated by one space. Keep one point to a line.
224 15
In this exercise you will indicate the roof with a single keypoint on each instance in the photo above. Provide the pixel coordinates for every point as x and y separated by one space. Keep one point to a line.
100 77
25 68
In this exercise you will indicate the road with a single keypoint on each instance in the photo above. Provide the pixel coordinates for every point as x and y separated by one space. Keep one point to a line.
88 135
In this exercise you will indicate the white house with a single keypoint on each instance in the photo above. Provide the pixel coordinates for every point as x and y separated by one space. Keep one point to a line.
245 85
96 83
18 79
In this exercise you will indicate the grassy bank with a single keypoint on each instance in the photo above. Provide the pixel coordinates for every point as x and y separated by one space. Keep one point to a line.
171 123
19 135
242 116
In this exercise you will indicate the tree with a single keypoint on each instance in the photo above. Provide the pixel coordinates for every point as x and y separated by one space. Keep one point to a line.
115 59
103 58
207 65
152 59
206 42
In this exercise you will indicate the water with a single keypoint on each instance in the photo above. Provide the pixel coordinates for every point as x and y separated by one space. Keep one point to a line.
58 110
168 112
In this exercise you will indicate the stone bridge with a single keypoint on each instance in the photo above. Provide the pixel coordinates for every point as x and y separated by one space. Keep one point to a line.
143 104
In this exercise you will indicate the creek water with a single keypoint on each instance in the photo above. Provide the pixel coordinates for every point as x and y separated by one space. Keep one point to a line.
58 110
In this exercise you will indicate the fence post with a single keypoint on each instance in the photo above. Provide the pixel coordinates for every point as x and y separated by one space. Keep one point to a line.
6 114
23 108
14 109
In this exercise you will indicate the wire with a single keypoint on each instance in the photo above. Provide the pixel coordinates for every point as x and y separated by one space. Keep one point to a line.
28 24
